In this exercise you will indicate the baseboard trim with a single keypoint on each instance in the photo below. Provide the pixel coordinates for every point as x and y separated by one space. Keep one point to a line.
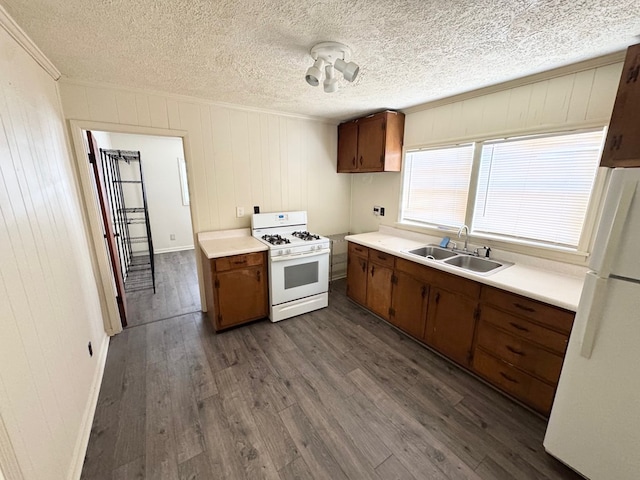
80 450
173 249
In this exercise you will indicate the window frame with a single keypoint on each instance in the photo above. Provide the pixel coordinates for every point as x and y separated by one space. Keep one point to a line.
554 252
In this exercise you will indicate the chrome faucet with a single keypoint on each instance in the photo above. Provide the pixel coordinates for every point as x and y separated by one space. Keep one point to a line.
466 237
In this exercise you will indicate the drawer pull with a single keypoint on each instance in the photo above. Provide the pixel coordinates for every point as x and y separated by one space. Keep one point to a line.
524 307
239 262
519 327
373 269
508 378
515 351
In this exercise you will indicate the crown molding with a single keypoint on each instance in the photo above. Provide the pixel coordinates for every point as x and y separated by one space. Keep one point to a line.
616 57
19 35
192 99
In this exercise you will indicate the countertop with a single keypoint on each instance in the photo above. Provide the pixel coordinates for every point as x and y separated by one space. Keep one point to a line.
223 243
546 286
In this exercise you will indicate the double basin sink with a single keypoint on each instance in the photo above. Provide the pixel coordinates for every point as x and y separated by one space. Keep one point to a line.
461 260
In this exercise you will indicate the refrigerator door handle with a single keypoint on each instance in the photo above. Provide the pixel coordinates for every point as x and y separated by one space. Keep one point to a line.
606 245
590 311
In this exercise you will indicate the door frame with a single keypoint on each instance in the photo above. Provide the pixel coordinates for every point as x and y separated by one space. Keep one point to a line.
106 283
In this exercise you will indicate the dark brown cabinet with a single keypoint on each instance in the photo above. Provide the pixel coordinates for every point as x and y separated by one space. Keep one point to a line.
409 304
379 287
357 272
514 342
520 345
622 146
371 144
452 315
236 289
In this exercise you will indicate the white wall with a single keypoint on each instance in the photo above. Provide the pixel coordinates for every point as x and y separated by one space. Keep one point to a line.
580 99
235 157
162 183
49 303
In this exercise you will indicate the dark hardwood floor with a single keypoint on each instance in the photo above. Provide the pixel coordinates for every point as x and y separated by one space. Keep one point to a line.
333 394
177 291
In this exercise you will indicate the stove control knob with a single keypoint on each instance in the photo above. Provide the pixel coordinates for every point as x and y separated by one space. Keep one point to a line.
288 251
280 252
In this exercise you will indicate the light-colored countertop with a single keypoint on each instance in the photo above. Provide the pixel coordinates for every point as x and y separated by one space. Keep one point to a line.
223 243
547 286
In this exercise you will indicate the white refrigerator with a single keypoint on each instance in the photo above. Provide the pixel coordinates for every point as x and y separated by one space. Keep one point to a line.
594 425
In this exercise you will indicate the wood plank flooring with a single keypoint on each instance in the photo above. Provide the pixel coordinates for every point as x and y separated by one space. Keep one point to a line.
177 291
333 394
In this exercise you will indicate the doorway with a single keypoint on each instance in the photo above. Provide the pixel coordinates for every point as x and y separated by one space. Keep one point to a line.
175 290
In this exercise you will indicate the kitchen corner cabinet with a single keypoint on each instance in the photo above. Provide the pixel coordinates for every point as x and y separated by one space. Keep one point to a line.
371 144
622 146
236 289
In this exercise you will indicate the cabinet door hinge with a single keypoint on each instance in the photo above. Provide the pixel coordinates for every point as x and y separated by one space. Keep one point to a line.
392 312
92 158
217 283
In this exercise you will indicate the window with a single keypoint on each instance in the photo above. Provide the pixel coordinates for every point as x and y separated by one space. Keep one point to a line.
437 185
531 190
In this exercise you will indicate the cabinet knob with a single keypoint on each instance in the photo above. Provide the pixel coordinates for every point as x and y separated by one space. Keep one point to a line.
632 74
360 159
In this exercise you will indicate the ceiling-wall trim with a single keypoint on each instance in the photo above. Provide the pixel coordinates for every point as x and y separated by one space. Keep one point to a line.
198 100
19 35
617 57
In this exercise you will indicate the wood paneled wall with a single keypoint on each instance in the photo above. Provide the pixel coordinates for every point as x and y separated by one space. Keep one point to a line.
581 99
238 157
49 303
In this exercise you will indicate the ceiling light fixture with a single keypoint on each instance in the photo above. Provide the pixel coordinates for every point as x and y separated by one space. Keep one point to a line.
333 56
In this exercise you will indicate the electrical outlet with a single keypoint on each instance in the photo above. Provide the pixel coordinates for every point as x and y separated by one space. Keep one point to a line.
382 211
239 212
376 210
172 236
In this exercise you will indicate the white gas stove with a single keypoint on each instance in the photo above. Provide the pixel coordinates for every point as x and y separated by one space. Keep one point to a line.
298 263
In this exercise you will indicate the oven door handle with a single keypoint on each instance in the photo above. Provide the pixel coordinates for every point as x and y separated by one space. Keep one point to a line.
292 256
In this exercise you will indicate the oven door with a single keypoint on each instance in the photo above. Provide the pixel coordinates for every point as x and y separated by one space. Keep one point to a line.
298 276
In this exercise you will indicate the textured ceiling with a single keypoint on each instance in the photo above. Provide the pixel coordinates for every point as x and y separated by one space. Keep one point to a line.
255 52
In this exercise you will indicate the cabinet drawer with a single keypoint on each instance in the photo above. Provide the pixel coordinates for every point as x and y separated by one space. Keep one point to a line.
549 315
522 328
358 250
382 258
524 387
239 261
519 352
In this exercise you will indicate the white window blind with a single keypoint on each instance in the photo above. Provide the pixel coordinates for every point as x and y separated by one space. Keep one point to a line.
437 185
537 189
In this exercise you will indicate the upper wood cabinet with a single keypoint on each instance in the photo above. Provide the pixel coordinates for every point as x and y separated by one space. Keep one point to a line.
622 147
371 144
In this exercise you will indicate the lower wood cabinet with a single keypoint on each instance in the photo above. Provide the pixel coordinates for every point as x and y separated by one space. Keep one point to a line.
520 346
236 289
515 343
379 285
357 273
410 301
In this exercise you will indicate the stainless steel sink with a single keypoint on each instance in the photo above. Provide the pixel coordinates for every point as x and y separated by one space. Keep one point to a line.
436 253
476 264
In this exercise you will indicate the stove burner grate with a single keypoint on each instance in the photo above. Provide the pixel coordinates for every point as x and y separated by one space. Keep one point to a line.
306 236
275 239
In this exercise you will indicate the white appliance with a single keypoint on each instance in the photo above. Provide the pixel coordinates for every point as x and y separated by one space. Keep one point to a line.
595 419
298 263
